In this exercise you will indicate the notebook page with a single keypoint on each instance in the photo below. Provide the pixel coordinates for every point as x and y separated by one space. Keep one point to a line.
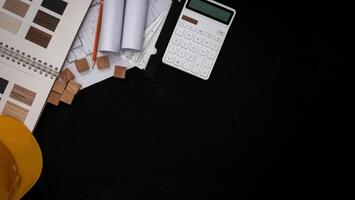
33 51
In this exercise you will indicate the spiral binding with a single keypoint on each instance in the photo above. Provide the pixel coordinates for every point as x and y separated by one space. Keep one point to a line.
27 61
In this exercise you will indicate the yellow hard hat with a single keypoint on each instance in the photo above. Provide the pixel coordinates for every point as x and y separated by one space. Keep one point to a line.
20 159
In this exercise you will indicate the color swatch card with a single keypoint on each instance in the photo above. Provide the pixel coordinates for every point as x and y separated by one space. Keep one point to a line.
35 37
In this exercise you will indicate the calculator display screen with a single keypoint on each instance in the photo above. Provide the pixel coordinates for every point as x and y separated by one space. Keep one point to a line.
211 10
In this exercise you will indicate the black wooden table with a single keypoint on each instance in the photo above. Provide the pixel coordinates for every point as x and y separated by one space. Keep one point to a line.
271 122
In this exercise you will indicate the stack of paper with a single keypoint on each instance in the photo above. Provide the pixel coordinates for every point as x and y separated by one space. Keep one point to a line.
129 56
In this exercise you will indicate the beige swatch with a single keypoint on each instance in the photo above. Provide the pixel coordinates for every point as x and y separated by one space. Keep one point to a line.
15 111
17 7
9 23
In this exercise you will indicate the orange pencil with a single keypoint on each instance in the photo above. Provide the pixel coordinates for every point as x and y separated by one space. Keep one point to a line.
97 36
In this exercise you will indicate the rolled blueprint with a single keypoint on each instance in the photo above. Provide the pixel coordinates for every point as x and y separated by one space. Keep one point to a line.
112 25
134 24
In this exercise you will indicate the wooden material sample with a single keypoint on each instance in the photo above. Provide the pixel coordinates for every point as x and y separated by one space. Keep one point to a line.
67 97
38 37
54 98
57 6
103 62
82 65
15 111
17 7
22 95
3 85
120 72
66 75
9 23
73 87
46 20
59 86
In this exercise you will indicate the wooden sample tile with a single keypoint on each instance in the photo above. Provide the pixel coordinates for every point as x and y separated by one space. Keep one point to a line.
3 85
46 20
82 65
38 37
120 72
58 86
57 6
22 95
9 23
15 111
17 7
66 75
67 97
73 87
103 62
54 98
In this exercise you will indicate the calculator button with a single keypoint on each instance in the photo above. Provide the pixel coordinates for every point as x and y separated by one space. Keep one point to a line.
194 48
169 58
211 55
176 40
204 72
191 28
197 65
179 31
178 62
215 46
172 48
196 68
219 39
220 32
208 64
190 56
215 37
202 52
185 44
183 24
200 31
187 65
188 35
181 53
197 39
206 43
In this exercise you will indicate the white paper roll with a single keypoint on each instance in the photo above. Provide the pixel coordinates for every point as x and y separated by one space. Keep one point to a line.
111 27
134 24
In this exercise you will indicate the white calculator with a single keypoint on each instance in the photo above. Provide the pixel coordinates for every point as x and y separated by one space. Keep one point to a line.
198 37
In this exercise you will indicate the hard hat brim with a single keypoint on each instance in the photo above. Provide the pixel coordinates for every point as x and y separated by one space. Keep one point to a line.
25 150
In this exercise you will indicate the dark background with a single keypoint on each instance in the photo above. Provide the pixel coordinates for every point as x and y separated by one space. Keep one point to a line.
273 121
